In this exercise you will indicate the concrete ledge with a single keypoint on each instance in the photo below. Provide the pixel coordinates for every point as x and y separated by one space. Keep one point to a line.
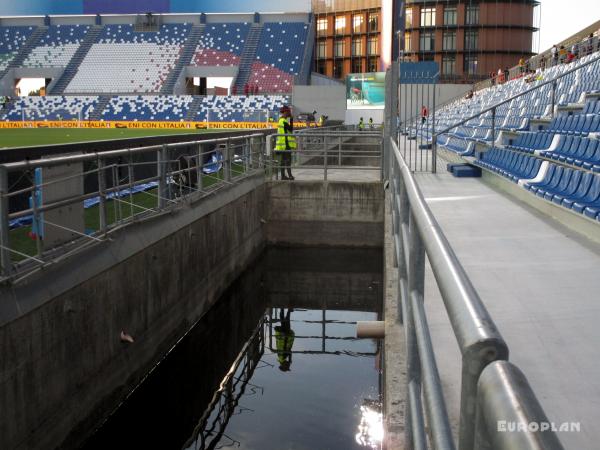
394 347
574 221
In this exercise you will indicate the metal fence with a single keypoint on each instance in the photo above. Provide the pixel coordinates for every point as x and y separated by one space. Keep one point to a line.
492 389
326 151
68 203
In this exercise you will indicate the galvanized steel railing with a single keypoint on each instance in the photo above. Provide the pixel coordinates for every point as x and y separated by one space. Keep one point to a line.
491 388
179 172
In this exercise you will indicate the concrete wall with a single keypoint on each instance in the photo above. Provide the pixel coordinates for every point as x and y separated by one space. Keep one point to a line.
63 365
327 100
314 213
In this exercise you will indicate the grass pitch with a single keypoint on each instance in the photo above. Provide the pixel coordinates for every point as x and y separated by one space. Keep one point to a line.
25 137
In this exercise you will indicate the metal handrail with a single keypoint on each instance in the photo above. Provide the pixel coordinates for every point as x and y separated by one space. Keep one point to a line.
503 102
478 338
170 193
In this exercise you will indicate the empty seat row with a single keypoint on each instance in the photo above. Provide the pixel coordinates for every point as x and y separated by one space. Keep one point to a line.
530 142
579 151
574 189
512 165
576 124
50 108
57 46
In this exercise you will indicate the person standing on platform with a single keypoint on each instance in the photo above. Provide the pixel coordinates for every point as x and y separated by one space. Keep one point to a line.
286 143
361 124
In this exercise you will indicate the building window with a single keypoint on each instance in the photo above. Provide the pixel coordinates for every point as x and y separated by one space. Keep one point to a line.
357 65
427 41
322 49
340 25
372 46
408 18
470 64
428 17
321 27
338 69
373 21
338 51
322 67
449 65
471 38
372 65
357 21
357 47
407 42
472 15
426 57
449 40
450 15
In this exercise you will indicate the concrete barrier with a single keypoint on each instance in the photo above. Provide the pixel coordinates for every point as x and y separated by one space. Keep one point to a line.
63 364
315 213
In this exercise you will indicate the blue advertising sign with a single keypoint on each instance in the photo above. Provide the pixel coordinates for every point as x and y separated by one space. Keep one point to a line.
426 72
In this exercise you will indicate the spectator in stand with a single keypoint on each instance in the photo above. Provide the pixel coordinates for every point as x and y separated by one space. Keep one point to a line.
542 63
562 54
500 76
589 44
424 114
570 57
575 50
522 65
554 52
492 78
469 95
506 74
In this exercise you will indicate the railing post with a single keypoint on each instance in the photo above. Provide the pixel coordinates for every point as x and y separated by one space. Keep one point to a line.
325 157
505 398
227 161
415 432
553 98
161 156
433 153
433 136
5 261
35 195
102 195
199 167
493 127
340 151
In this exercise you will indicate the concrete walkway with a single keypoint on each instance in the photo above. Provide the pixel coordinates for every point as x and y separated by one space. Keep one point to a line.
540 283
356 175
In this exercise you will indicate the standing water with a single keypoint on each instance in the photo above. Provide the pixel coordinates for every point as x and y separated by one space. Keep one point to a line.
274 364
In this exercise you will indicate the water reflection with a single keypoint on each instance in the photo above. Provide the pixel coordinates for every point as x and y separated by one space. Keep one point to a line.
274 365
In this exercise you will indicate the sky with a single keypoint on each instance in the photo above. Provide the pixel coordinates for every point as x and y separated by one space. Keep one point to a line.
560 19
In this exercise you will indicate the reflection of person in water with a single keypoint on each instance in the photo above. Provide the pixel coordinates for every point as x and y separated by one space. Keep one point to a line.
284 339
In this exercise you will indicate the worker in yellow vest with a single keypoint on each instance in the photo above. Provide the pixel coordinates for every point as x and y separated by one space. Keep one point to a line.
361 124
286 143
284 340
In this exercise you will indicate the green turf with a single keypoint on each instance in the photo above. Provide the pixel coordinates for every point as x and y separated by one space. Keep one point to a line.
23 137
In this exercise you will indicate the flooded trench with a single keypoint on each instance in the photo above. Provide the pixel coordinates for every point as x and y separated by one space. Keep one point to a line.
274 364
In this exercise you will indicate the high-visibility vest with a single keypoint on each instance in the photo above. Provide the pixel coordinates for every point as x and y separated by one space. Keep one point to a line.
284 340
284 142
361 125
